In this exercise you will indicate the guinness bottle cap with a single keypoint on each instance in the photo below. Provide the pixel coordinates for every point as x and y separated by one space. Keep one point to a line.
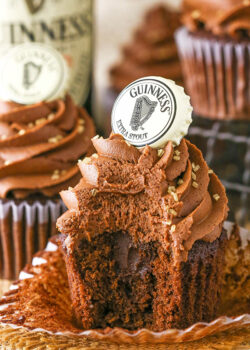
151 111
33 72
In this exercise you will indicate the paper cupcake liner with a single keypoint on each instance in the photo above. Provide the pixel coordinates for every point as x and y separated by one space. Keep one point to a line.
216 74
40 302
25 227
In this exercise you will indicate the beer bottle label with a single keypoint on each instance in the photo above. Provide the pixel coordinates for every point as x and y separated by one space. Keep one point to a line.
65 25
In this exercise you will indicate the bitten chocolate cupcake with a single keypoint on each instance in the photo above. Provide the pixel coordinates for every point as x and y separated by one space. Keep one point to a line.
152 51
214 51
143 240
40 144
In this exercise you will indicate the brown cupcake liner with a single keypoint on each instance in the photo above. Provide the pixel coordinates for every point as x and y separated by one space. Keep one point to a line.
40 302
216 74
25 227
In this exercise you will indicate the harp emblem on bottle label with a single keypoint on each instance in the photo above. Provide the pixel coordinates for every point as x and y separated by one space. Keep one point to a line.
31 72
143 110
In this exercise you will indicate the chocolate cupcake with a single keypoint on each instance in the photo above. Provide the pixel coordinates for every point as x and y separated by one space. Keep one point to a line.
40 144
152 51
214 51
143 239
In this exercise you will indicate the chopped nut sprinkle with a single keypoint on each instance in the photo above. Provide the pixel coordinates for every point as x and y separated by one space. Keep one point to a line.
176 158
180 182
210 171
7 162
21 132
172 229
51 116
80 129
55 139
195 14
55 176
195 184
216 196
193 176
167 222
93 192
195 167
177 152
95 155
173 212
56 171
31 125
95 137
40 121
171 189
160 152
70 188
82 121
86 160
174 195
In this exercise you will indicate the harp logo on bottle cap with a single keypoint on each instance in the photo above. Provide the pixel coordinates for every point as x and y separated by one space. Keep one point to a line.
151 111
32 72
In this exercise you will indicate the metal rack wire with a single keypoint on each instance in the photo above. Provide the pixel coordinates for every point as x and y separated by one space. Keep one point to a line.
226 148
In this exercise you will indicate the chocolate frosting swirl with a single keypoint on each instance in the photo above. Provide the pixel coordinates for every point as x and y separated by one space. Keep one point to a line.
152 50
172 198
227 17
40 145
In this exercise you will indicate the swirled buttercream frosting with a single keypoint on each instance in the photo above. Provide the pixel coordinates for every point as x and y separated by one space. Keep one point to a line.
152 50
167 195
226 18
40 145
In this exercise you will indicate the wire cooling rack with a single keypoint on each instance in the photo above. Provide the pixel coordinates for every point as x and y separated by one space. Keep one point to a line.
226 148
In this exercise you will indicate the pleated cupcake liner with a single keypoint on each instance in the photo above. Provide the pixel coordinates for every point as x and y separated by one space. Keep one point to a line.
25 227
39 303
216 73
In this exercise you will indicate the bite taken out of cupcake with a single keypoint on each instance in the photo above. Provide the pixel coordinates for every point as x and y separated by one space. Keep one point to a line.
142 238
40 144
214 46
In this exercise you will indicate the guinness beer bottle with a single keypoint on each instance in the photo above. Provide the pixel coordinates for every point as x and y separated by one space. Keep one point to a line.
64 24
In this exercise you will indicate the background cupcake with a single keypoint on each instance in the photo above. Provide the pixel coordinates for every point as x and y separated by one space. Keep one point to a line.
152 50
214 52
40 144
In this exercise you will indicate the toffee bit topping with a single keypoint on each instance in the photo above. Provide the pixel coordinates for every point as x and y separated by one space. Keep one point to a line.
210 171
95 155
177 152
86 160
70 188
3 137
7 162
80 129
171 189
40 121
31 125
160 152
21 132
172 229
55 176
176 158
93 192
55 139
51 116
195 14
173 212
180 182
167 222
195 167
95 137
174 195
195 184
216 196
56 171
82 121
193 176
